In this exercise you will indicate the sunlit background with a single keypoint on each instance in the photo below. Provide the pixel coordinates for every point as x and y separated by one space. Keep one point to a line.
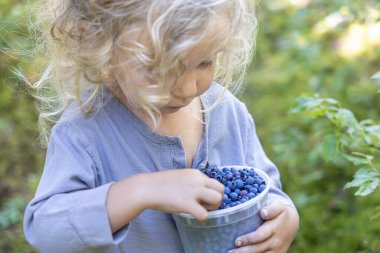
329 48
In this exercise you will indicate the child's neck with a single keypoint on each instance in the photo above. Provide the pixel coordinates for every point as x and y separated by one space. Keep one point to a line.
186 123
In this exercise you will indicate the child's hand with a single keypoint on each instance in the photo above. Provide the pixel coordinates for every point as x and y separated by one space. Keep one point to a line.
183 191
275 234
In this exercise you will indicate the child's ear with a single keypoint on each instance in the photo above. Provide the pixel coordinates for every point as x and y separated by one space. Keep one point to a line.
107 73
83 27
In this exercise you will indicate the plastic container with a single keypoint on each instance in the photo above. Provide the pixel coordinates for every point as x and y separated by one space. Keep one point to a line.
218 233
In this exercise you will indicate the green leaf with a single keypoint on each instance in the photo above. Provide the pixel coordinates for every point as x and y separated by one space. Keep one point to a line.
358 160
347 120
366 179
376 76
373 129
361 176
368 187
304 102
372 139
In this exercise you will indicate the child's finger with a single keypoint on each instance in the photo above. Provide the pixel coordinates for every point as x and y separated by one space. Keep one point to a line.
199 212
211 198
256 248
262 234
272 210
215 184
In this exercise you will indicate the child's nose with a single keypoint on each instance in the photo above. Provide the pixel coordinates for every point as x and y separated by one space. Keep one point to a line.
187 86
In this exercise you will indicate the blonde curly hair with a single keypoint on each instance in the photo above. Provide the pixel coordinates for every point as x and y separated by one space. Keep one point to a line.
80 39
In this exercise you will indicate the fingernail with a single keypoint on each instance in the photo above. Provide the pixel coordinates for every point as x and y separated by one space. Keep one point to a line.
237 243
264 212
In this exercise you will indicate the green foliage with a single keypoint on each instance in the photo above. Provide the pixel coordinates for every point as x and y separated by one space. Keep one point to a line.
20 156
345 136
304 47
12 212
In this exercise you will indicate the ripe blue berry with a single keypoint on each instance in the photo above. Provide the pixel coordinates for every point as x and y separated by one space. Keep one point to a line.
234 196
239 185
250 180
251 195
253 190
243 193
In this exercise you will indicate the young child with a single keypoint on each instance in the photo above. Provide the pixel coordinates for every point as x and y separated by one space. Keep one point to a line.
140 114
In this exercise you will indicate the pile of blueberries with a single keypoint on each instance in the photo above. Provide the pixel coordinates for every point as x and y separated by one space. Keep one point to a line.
240 185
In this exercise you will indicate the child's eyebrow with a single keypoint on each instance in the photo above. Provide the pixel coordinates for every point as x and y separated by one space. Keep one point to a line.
203 61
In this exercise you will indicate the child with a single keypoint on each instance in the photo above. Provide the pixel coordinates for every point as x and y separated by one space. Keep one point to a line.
140 114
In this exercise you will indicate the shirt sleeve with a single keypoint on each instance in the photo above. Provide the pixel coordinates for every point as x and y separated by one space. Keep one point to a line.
68 212
256 157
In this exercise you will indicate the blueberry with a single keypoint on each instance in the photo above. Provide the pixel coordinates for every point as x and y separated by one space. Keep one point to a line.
244 199
251 195
250 180
234 196
225 169
229 176
243 193
253 190
239 185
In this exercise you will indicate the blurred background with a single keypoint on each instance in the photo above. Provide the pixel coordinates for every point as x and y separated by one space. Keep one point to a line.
310 90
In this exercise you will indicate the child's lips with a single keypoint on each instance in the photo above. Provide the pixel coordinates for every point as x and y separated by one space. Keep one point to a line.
172 108
177 106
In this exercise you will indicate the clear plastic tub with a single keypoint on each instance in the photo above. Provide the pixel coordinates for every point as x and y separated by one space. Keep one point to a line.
218 233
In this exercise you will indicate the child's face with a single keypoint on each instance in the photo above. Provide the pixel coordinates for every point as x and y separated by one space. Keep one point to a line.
195 80
197 76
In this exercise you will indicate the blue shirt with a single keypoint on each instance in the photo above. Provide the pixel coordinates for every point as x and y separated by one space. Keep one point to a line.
86 154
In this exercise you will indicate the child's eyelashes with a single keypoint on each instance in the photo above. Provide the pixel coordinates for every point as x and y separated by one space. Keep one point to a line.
206 64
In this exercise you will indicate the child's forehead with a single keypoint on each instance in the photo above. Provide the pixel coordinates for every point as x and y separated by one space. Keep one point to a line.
192 46
213 40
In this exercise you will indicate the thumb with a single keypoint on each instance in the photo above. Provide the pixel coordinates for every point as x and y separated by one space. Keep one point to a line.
271 211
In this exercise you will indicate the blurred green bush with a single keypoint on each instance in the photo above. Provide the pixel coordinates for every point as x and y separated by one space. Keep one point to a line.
331 48
21 158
